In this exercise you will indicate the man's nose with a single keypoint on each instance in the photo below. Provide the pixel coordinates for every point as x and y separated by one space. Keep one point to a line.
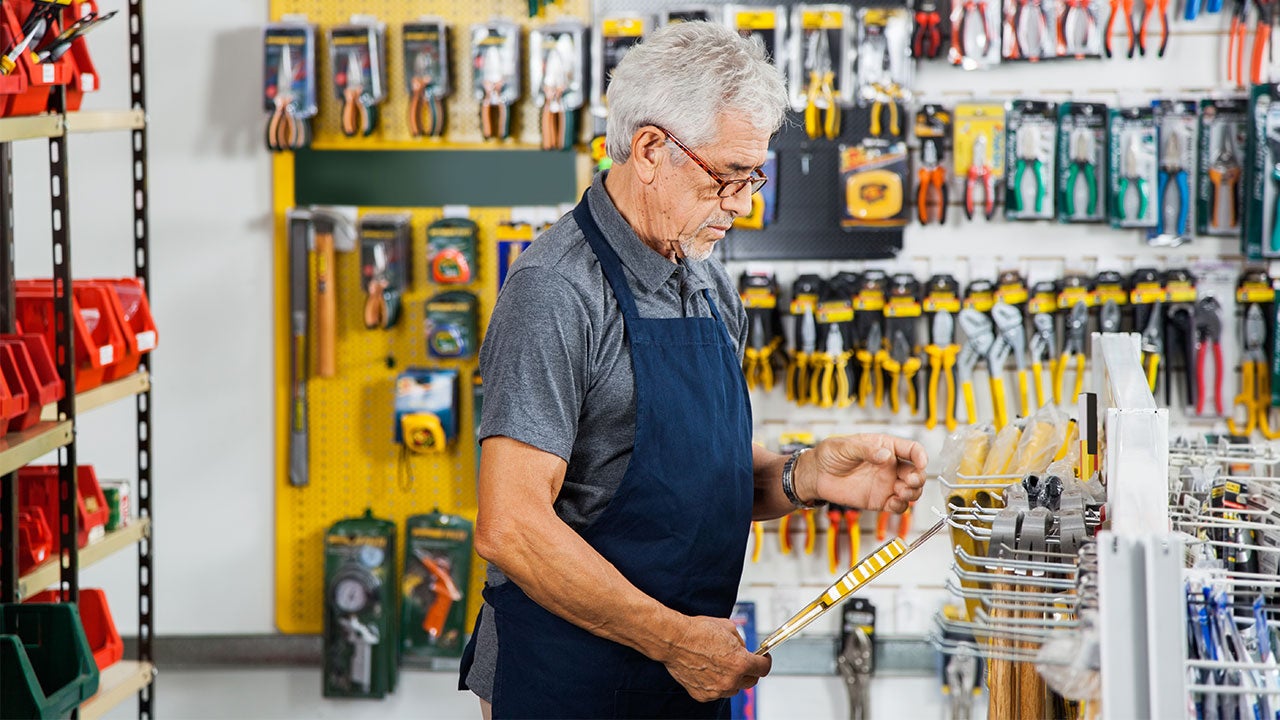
738 203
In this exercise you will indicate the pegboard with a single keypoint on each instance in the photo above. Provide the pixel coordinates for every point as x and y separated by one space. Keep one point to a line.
461 108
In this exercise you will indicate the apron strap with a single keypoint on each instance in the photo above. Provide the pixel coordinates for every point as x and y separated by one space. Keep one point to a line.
609 261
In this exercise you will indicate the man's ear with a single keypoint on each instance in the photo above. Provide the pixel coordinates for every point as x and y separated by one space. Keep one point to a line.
648 152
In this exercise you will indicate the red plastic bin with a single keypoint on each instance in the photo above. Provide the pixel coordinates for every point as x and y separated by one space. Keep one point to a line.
99 626
35 539
133 312
51 386
40 77
13 394
38 487
16 358
99 339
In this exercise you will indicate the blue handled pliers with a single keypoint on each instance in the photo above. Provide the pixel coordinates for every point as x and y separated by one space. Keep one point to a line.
1172 166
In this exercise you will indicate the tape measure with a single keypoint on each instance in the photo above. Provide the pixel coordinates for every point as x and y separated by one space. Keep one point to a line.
422 433
450 267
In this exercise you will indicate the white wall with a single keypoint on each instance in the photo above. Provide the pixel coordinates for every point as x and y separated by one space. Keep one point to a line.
211 235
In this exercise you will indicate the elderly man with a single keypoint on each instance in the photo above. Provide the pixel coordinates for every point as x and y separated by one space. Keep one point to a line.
619 480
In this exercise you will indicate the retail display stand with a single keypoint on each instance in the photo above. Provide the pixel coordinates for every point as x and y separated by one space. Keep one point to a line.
55 430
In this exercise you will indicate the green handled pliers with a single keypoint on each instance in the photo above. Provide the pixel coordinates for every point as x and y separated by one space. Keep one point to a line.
1082 146
1273 144
1028 146
1131 173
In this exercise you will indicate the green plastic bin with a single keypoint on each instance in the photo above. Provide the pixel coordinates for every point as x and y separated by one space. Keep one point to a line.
46 666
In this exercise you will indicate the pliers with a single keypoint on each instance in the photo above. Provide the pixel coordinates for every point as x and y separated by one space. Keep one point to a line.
1273 145
1235 43
1255 379
1224 173
980 173
557 121
1077 324
1024 47
1120 8
495 115
426 117
978 339
1131 175
996 357
798 370
901 365
1261 39
870 358
1147 8
1180 352
851 518
1208 340
1073 42
285 131
933 185
1008 320
926 42
829 371
809 517
1028 142
1082 149
1109 317
1043 346
356 119
757 358
821 110
1173 168
942 354
960 38
1153 343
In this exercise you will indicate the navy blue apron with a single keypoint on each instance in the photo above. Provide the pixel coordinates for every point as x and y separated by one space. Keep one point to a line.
676 528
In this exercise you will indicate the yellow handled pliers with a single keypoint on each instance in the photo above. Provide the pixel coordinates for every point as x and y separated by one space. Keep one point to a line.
869 358
798 369
1043 346
757 359
1008 320
942 360
901 365
1153 343
830 372
1077 324
978 339
821 95
1255 380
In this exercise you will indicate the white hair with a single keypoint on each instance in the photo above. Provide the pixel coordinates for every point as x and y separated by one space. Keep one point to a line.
683 77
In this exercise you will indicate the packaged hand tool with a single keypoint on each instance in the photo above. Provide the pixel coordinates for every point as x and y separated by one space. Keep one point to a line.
1262 174
1029 30
614 36
289 84
821 66
856 659
806 291
435 584
357 61
759 292
829 368
931 32
1132 165
767 23
1223 133
452 320
933 130
1176 122
690 13
1031 131
360 619
975 34
902 311
495 77
1082 149
384 267
979 146
884 67
868 319
1255 311
451 251
941 305
1080 28
873 179
426 75
1147 296
426 409
558 80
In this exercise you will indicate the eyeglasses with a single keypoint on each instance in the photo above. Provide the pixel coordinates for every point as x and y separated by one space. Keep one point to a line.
728 188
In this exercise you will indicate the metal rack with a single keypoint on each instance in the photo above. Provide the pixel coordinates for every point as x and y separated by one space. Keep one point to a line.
57 431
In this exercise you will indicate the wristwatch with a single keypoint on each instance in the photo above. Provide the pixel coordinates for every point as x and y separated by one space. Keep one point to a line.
788 482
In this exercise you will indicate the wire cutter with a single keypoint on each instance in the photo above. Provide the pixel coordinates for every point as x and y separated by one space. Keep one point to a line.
1131 176
1008 320
870 358
1031 37
1043 346
426 117
933 191
926 42
1070 38
284 129
978 339
901 365
555 81
757 358
1153 343
821 111
1028 142
980 172
798 370
1077 324
835 515
1173 168
830 372
495 114
1119 8
1208 340
960 39
1255 379
1180 352
356 119
1082 146
1224 173
942 354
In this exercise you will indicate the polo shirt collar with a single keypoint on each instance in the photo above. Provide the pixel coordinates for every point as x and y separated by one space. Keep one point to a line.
647 266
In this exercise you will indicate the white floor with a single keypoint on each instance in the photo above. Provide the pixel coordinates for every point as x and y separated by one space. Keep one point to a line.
295 693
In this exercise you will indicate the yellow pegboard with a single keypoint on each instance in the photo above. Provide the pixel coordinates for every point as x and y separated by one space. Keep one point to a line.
353 460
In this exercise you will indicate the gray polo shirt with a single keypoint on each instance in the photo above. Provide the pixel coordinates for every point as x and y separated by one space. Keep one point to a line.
557 367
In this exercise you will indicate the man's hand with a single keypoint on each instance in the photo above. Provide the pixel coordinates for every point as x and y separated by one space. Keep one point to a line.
711 662
866 472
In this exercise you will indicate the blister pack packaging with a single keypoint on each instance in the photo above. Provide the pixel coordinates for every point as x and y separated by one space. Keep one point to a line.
495 75
1029 30
1176 126
557 79
426 74
1082 149
979 146
358 66
1262 174
821 58
1223 133
975 34
1131 167
884 67
1030 133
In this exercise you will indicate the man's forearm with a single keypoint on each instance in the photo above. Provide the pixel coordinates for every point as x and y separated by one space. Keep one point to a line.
557 569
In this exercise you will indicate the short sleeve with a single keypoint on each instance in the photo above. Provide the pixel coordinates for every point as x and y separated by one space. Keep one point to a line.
534 362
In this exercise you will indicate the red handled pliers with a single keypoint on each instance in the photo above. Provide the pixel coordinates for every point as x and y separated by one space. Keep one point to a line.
960 37
1208 340
926 43
980 172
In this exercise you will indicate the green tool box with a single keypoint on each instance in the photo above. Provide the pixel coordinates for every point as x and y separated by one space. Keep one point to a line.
46 666
437 573
361 657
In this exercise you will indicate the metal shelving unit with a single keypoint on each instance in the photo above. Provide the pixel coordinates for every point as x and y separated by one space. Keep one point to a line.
57 430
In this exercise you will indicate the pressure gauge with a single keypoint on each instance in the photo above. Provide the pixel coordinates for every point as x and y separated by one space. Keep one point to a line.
371 556
353 592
